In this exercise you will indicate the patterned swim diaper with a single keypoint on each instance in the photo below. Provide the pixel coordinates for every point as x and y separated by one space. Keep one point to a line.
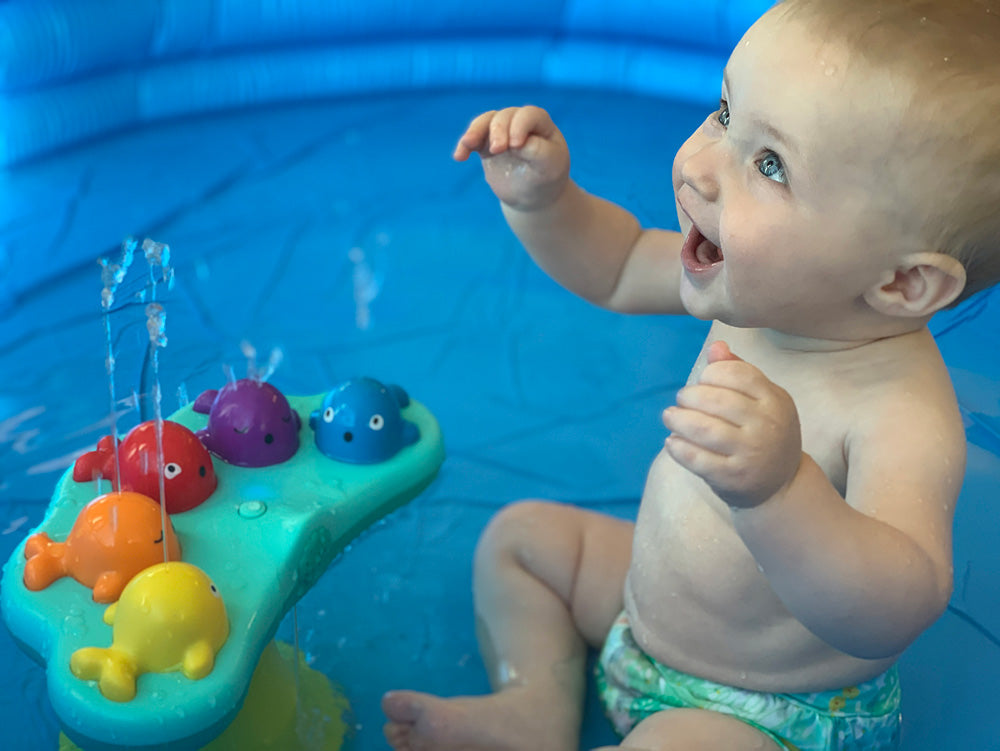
633 686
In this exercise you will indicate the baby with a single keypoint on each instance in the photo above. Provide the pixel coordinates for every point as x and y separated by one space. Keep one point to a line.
794 535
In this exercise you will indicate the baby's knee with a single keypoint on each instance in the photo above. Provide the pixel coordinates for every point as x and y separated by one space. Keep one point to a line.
511 523
514 527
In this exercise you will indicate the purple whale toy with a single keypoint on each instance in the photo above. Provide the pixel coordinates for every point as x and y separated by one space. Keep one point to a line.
250 424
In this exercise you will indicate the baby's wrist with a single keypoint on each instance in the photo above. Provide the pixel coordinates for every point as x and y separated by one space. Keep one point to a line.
539 199
753 501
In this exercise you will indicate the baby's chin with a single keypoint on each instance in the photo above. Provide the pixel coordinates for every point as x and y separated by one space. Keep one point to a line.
695 304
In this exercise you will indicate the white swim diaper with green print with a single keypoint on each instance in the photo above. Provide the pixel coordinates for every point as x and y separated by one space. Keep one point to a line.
859 718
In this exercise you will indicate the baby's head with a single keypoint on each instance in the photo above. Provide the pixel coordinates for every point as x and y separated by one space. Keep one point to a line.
945 169
848 186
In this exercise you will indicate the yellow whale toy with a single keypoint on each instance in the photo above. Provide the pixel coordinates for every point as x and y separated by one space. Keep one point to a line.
170 617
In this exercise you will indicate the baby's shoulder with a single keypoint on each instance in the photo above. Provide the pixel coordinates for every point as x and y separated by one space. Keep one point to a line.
887 386
908 397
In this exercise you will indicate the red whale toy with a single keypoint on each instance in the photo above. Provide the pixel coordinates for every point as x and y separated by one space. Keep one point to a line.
188 474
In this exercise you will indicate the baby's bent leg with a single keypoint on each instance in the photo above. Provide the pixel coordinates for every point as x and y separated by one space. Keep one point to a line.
548 581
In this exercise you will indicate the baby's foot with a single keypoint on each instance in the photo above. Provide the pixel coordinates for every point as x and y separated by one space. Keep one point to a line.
513 720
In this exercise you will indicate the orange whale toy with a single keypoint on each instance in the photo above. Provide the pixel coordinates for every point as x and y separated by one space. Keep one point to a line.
114 537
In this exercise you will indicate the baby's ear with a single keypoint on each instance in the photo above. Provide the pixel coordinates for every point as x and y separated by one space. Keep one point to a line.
922 285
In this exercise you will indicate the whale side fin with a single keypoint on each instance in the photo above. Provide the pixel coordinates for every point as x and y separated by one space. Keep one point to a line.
109 586
199 659
46 561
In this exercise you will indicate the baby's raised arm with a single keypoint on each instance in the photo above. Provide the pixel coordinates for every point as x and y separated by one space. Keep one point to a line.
592 247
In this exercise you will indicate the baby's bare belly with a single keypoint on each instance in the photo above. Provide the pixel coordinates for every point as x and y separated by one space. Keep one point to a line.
698 603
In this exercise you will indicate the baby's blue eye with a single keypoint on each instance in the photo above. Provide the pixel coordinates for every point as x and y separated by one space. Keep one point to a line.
770 166
723 115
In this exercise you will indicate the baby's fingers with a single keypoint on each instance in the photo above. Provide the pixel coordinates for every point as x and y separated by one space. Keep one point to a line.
475 136
703 430
513 128
528 121
524 129
694 458
732 406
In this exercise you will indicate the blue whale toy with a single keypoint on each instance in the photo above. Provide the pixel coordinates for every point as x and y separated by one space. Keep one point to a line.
361 422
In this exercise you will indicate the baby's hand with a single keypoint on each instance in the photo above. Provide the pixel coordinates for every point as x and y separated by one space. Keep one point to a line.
736 430
524 155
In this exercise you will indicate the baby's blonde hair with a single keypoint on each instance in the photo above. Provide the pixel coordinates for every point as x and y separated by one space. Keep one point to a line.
950 52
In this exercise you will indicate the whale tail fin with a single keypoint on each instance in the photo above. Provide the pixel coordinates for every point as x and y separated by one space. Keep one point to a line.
46 561
203 404
114 671
96 463
399 394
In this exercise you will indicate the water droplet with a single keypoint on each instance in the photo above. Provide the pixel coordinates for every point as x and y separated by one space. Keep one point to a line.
75 626
830 70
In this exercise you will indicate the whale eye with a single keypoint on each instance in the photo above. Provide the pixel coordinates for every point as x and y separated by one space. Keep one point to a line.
215 590
171 470
202 471
328 414
376 423
269 438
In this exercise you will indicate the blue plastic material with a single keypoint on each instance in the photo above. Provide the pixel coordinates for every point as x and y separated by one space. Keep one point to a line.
66 74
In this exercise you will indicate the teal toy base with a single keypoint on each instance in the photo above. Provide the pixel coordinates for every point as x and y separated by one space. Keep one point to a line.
264 537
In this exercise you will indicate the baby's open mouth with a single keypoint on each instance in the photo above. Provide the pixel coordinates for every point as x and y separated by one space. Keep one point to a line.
698 252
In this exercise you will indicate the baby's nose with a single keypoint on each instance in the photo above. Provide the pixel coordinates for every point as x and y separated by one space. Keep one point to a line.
700 171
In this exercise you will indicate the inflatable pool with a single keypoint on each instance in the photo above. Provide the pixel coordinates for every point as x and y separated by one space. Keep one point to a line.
296 157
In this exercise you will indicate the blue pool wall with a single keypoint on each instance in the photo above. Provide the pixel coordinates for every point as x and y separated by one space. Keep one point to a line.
77 70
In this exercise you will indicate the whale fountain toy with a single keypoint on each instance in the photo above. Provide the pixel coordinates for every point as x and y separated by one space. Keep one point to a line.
114 537
170 664
250 423
188 474
361 421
